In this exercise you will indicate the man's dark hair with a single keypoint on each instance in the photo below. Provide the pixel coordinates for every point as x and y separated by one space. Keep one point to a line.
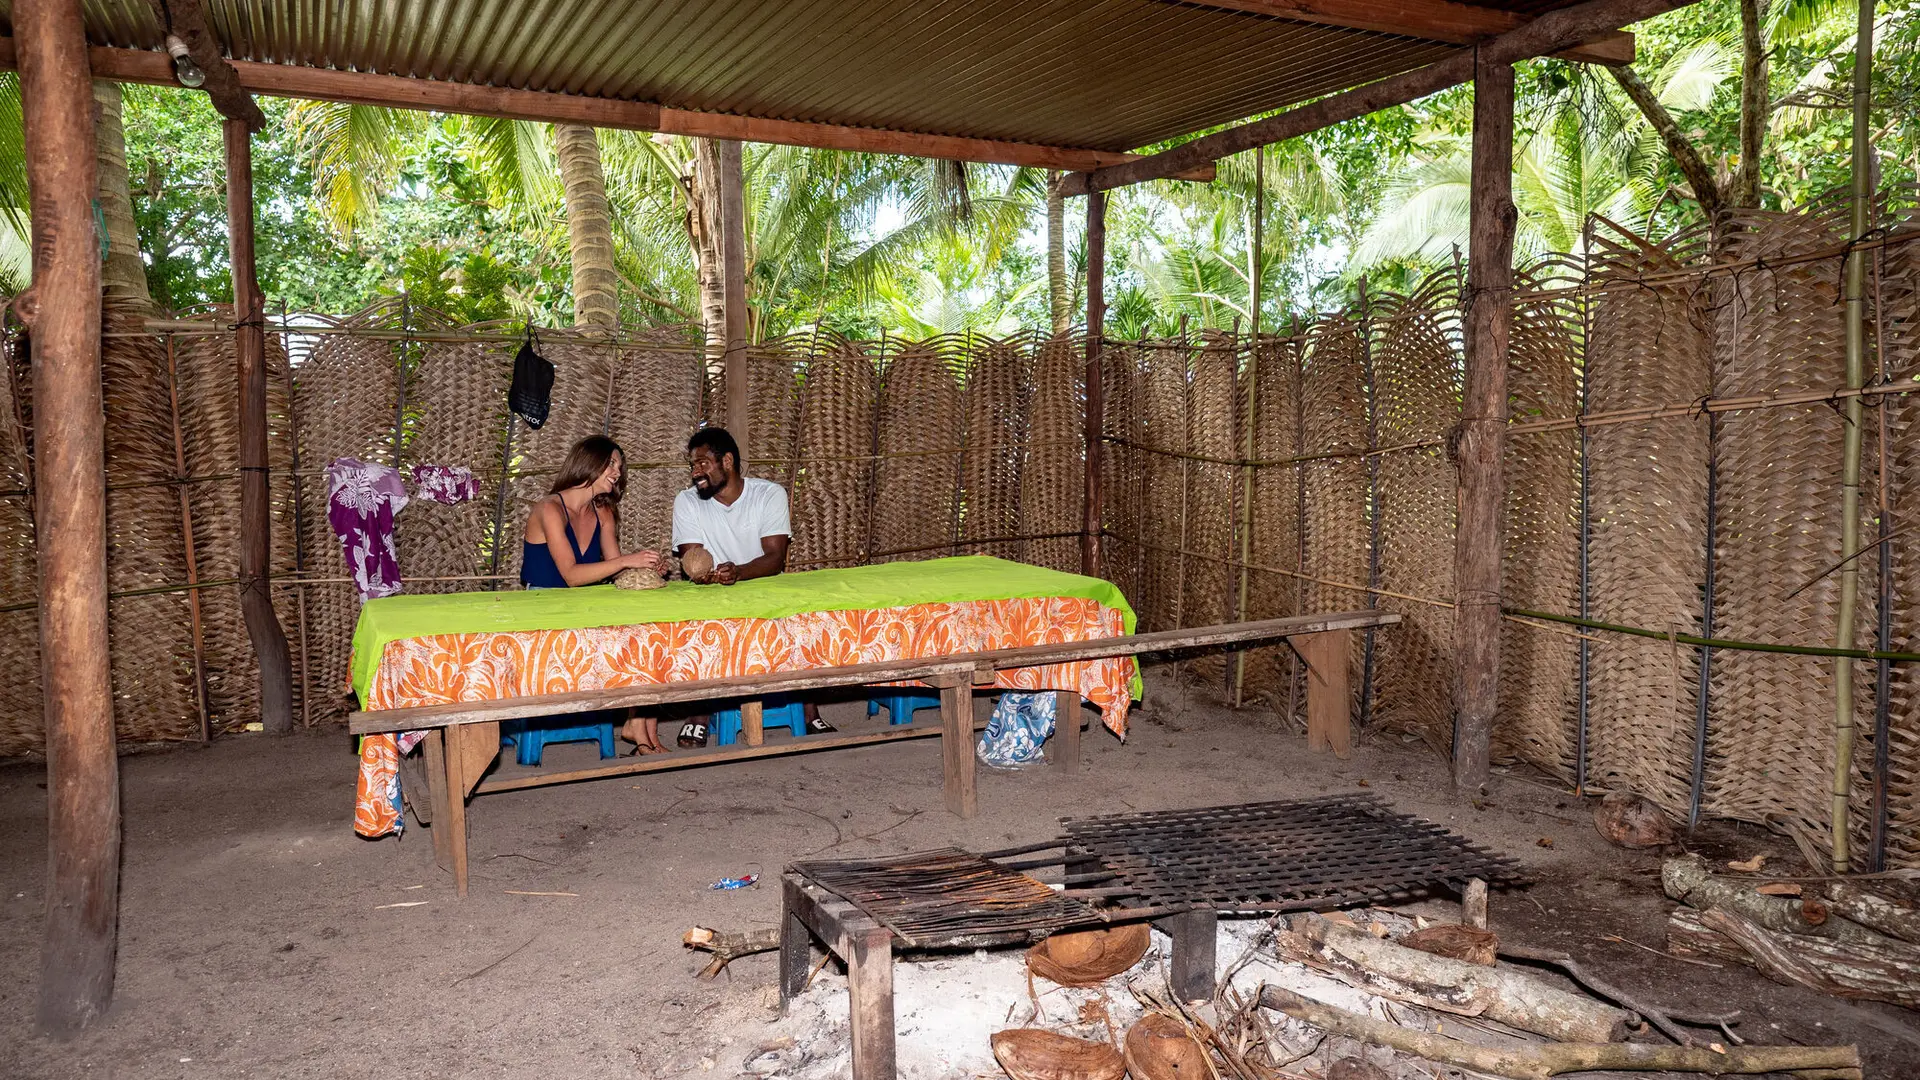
718 442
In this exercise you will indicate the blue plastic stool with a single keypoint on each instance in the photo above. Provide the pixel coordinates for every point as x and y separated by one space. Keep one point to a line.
901 705
530 737
774 712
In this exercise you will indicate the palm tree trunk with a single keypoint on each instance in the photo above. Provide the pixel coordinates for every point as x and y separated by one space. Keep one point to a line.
704 227
1059 302
589 226
1744 190
124 274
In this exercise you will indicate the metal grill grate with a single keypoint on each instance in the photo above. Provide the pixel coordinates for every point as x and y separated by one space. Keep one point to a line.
1275 856
929 896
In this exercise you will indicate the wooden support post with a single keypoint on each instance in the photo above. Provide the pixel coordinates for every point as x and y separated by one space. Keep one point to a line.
1329 696
1066 732
752 722
435 750
795 945
870 986
256 520
956 747
1473 903
1096 404
1481 437
452 814
1194 933
733 270
62 314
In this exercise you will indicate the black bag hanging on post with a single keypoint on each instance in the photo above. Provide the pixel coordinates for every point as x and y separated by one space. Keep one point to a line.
532 384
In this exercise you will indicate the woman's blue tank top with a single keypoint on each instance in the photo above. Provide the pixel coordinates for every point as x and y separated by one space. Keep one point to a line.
537 568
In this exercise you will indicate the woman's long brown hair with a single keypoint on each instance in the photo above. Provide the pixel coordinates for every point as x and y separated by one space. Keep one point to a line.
585 462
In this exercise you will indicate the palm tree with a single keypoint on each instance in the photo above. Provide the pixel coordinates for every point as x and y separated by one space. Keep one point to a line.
16 260
124 274
596 300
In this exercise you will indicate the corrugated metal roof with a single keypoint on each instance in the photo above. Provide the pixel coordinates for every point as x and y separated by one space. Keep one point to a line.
1099 74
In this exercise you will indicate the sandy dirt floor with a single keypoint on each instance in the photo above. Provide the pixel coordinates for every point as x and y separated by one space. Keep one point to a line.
260 938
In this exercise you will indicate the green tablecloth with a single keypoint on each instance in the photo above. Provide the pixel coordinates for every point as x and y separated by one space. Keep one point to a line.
858 588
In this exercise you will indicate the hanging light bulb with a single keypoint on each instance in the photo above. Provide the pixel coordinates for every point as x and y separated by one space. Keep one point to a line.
184 68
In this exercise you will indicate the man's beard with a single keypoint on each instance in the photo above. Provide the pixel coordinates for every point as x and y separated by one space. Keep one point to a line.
706 489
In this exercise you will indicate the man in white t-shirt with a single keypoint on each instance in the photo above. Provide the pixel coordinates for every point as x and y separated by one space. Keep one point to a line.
740 523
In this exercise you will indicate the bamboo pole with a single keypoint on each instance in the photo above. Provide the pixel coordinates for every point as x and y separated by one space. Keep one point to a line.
1856 316
1094 390
256 600
186 536
1883 671
62 314
1481 439
1254 260
299 501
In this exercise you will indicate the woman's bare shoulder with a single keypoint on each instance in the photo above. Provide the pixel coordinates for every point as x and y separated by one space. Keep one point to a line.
541 512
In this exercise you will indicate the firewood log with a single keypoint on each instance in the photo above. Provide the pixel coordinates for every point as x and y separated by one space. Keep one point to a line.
1890 915
1688 880
1843 969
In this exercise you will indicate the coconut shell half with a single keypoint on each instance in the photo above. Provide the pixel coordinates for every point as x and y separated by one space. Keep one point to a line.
1468 943
696 564
635 577
1089 957
1034 1054
1159 1048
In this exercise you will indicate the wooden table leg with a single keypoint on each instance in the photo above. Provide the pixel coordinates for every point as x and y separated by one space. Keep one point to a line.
956 749
1194 934
870 981
436 751
795 940
1329 705
1066 732
456 813
752 722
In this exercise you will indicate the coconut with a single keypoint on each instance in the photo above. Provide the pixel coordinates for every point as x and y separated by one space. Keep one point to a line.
1089 957
1633 821
1469 943
696 564
1159 1048
1035 1054
637 577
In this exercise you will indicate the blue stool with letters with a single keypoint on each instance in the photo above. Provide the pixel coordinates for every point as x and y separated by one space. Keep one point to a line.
775 712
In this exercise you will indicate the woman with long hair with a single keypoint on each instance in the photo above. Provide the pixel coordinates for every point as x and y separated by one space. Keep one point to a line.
583 501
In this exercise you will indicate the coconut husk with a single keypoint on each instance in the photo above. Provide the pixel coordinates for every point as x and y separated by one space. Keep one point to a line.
637 577
1159 1048
1035 1054
1354 1068
1089 957
1469 943
1633 821
696 564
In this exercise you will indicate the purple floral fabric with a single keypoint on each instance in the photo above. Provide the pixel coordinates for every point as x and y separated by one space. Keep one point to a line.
444 483
362 500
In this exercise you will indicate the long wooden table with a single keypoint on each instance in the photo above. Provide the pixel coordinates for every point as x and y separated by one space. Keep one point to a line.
464 737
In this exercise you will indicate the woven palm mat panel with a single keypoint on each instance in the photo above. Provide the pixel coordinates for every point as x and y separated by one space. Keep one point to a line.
1416 398
1896 293
1299 855
833 482
1274 521
345 395
1770 743
1162 518
21 718
579 406
927 896
1212 411
1540 566
1330 495
459 391
922 429
773 393
1122 477
1053 483
996 433
656 406
1647 547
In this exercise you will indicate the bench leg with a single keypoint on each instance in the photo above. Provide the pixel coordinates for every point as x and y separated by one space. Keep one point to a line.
752 728
1194 934
956 749
1473 903
456 814
442 827
1329 708
870 980
794 954
1066 732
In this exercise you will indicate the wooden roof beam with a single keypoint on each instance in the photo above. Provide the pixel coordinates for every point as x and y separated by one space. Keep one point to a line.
1550 33
1428 20
365 88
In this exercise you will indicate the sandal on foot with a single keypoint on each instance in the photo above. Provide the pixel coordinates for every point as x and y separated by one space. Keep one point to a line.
692 735
817 726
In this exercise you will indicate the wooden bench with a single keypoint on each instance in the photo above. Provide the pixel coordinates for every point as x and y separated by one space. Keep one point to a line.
464 737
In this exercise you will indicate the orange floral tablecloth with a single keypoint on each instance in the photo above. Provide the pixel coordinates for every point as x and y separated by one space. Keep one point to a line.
445 668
